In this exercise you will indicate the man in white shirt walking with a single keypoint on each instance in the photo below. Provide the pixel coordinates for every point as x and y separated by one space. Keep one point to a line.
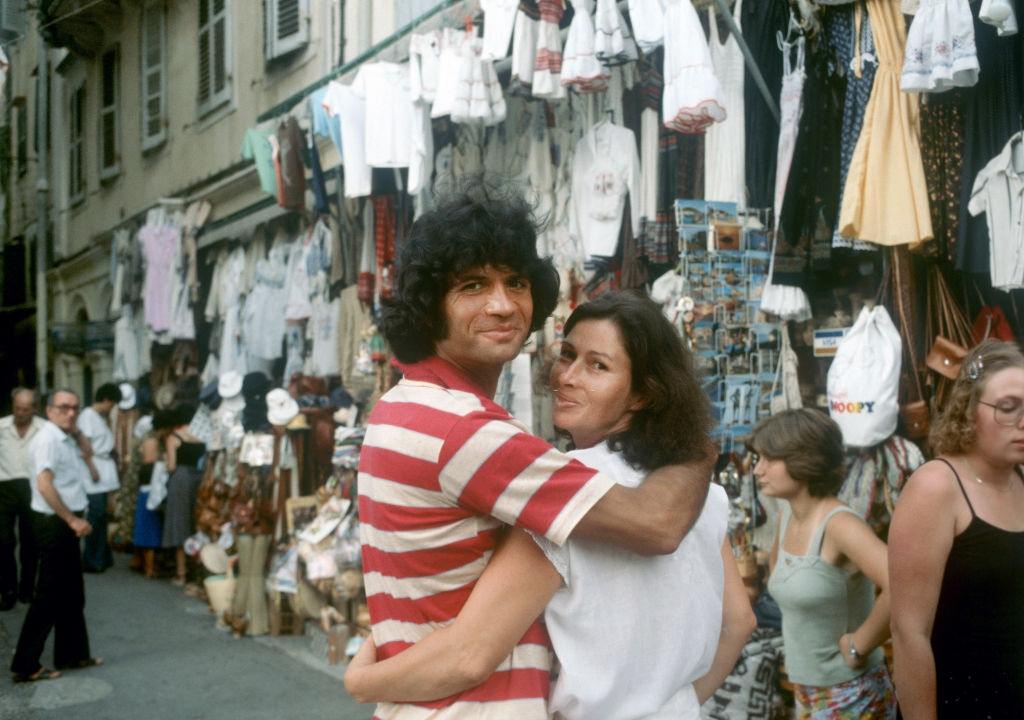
94 426
16 431
58 503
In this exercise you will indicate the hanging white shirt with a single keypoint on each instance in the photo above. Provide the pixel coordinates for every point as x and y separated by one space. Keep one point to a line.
340 100
499 19
385 87
101 437
54 450
999 193
633 633
606 167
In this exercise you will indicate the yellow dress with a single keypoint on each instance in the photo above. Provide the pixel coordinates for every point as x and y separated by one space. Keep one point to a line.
885 199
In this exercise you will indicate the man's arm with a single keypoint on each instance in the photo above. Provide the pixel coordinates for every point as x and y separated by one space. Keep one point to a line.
508 597
44 481
654 518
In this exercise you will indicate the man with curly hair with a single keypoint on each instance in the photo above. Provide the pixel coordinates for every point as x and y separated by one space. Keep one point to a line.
444 469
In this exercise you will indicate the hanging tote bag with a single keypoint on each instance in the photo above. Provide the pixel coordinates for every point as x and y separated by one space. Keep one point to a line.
864 380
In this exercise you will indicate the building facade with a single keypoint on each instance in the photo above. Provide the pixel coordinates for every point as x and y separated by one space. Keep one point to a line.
148 105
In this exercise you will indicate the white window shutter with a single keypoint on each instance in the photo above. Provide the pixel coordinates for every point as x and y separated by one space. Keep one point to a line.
287 23
110 91
214 54
154 109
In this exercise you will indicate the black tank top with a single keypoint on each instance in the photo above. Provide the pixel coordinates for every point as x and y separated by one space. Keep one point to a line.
978 633
189 453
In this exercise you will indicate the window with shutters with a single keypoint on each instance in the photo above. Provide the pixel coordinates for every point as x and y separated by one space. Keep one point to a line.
12 19
110 91
76 155
153 54
214 54
287 26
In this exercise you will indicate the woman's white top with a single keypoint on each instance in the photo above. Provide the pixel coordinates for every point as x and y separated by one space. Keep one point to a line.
632 633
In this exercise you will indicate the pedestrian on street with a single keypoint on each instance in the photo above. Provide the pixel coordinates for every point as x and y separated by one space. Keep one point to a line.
94 425
16 432
59 500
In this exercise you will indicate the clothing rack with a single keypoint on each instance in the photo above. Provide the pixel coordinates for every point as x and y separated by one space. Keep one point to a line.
289 103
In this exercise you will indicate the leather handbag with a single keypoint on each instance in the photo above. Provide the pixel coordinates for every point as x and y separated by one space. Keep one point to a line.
945 357
916 419
915 412
991 322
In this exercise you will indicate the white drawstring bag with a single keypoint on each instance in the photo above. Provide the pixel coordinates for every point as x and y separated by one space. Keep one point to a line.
157 485
863 382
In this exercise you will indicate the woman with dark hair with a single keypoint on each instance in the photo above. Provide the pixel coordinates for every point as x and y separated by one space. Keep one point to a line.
183 452
636 636
823 563
957 552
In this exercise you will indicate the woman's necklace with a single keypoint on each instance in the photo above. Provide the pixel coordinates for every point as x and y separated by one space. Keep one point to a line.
977 479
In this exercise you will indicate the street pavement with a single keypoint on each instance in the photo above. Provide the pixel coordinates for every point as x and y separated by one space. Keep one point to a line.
166 660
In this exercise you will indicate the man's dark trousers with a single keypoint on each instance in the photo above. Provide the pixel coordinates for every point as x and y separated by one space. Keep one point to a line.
16 513
58 603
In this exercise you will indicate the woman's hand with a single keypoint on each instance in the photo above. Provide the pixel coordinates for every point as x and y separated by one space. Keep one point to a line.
365 657
851 661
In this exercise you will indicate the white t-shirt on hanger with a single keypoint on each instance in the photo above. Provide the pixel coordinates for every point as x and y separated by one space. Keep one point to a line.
342 101
385 87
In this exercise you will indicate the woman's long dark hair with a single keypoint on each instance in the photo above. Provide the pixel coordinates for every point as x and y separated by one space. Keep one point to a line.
675 420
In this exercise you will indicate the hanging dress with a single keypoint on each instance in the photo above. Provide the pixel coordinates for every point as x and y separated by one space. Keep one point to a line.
885 199
849 34
786 301
761 21
693 97
940 52
724 169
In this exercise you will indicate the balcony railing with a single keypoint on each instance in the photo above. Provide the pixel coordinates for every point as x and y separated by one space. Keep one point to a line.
80 338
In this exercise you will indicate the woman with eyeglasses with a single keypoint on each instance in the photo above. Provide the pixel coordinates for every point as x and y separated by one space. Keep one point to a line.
956 552
825 565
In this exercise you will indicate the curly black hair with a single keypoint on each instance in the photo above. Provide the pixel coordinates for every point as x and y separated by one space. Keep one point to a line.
477 225
108 391
674 423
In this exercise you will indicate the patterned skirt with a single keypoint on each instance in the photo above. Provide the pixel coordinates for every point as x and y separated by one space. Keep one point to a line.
868 697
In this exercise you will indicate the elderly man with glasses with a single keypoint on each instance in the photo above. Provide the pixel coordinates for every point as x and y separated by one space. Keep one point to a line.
58 502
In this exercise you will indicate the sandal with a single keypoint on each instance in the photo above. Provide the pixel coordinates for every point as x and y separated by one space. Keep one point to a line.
81 664
41 674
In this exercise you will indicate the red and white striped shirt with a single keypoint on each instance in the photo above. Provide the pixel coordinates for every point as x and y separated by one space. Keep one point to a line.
442 469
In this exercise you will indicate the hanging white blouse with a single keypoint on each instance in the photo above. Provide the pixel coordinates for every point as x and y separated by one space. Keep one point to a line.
606 167
940 52
547 69
581 69
614 44
648 20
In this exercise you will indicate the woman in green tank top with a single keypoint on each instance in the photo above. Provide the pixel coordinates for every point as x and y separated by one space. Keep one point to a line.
825 564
